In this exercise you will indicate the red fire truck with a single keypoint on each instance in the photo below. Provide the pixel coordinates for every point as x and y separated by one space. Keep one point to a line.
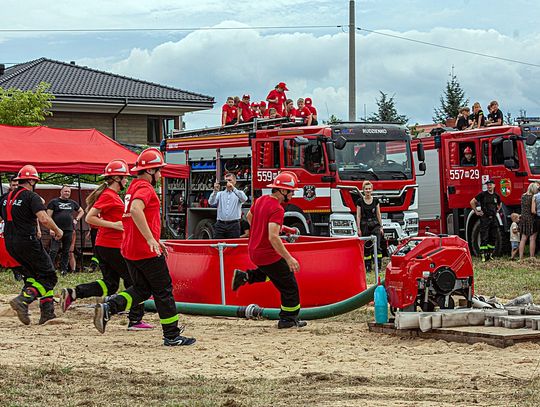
331 162
506 154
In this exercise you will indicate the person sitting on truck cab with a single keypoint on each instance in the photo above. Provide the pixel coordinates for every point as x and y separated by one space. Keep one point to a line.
290 111
463 118
277 97
495 116
309 105
468 160
229 113
303 112
245 114
478 119
272 113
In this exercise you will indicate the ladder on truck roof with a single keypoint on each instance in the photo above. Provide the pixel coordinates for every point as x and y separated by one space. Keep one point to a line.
257 124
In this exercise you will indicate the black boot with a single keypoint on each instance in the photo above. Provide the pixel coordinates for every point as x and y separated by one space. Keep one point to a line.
20 304
367 265
46 305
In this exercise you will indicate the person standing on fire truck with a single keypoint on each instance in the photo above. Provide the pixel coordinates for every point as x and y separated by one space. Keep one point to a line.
145 254
105 209
486 205
21 209
368 216
277 99
268 253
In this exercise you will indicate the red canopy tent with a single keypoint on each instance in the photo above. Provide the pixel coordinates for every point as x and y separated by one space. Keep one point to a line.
66 151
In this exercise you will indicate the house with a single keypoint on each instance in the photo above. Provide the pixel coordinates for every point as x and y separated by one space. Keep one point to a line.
126 109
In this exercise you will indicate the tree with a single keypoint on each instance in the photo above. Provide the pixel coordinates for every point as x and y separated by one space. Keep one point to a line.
387 111
453 98
332 120
25 108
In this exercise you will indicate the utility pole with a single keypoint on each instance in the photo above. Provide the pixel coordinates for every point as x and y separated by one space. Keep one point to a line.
352 63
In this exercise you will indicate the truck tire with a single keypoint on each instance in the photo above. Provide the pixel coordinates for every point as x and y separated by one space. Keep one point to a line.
299 225
502 242
204 229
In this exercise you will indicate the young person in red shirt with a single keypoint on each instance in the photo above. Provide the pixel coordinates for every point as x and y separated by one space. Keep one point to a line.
229 113
268 253
309 105
145 254
290 110
255 110
303 112
105 209
276 98
262 109
245 114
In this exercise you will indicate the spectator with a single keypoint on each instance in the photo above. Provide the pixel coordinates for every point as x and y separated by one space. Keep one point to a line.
527 223
468 159
537 207
262 108
290 111
255 110
304 112
229 113
277 97
463 118
61 210
229 208
244 227
495 116
272 113
245 114
478 119
514 235
309 105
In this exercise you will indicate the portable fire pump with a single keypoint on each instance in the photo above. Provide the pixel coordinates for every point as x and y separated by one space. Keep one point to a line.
426 272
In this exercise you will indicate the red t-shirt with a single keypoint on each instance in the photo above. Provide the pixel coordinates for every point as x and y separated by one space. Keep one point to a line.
304 112
247 113
312 110
266 209
231 111
112 209
134 246
292 113
281 97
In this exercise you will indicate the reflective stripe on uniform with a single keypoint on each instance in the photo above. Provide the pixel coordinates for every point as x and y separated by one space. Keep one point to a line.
290 309
103 287
37 286
94 259
128 298
170 320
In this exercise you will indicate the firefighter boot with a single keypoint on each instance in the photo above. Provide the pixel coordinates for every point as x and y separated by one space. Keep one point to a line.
239 279
46 306
367 265
20 304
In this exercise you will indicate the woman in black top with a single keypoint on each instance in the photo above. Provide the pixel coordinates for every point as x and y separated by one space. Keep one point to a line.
368 217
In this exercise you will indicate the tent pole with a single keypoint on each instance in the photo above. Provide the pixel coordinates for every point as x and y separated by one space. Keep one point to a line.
81 223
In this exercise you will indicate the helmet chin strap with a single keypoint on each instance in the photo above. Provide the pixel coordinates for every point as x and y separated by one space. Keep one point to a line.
154 179
285 196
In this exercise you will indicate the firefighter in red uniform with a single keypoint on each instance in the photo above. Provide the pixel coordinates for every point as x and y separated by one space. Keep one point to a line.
105 209
21 209
277 98
268 252
145 254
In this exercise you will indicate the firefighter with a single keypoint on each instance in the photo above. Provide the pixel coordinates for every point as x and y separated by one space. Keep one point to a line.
9 262
268 253
105 209
468 159
145 254
486 205
368 217
21 209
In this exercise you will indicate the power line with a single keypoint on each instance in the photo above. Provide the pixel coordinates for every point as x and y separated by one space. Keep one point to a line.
449 48
94 30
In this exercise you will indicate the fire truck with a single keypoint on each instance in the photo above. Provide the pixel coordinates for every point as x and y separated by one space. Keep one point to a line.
506 154
331 162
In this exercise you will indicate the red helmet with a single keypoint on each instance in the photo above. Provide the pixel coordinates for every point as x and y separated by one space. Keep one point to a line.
116 167
149 158
28 172
467 150
285 180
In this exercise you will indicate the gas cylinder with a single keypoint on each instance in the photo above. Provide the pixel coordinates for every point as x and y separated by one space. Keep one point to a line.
381 305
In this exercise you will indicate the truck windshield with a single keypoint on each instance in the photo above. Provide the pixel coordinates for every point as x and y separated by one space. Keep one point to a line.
533 156
374 160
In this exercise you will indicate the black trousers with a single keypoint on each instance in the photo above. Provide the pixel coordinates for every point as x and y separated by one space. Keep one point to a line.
113 267
38 271
488 233
150 278
66 244
285 281
367 229
227 230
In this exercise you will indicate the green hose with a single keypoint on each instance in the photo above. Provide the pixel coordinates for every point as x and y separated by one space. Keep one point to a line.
255 312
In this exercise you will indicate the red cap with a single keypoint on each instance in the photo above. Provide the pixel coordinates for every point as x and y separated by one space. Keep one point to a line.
282 85
467 150
262 104
254 104
245 96
308 101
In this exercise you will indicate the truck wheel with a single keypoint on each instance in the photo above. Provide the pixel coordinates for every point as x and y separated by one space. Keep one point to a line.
502 243
204 229
300 226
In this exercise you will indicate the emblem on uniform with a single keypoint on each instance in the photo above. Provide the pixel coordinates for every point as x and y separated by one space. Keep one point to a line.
309 192
506 186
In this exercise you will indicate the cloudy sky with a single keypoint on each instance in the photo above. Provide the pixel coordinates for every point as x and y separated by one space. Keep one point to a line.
312 61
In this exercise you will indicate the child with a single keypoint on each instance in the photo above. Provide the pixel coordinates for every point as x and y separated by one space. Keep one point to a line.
514 235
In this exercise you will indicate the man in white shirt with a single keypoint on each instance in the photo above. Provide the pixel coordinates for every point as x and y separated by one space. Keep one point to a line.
229 208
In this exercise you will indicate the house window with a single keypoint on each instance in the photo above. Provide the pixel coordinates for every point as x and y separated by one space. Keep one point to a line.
159 128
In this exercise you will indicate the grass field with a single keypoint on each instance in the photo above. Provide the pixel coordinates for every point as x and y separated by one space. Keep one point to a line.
59 378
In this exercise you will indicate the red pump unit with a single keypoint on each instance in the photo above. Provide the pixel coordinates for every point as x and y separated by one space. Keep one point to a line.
426 272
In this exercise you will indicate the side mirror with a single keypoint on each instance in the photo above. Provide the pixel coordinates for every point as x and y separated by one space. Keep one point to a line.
510 163
340 143
330 151
497 140
422 166
531 139
420 152
508 149
301 141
